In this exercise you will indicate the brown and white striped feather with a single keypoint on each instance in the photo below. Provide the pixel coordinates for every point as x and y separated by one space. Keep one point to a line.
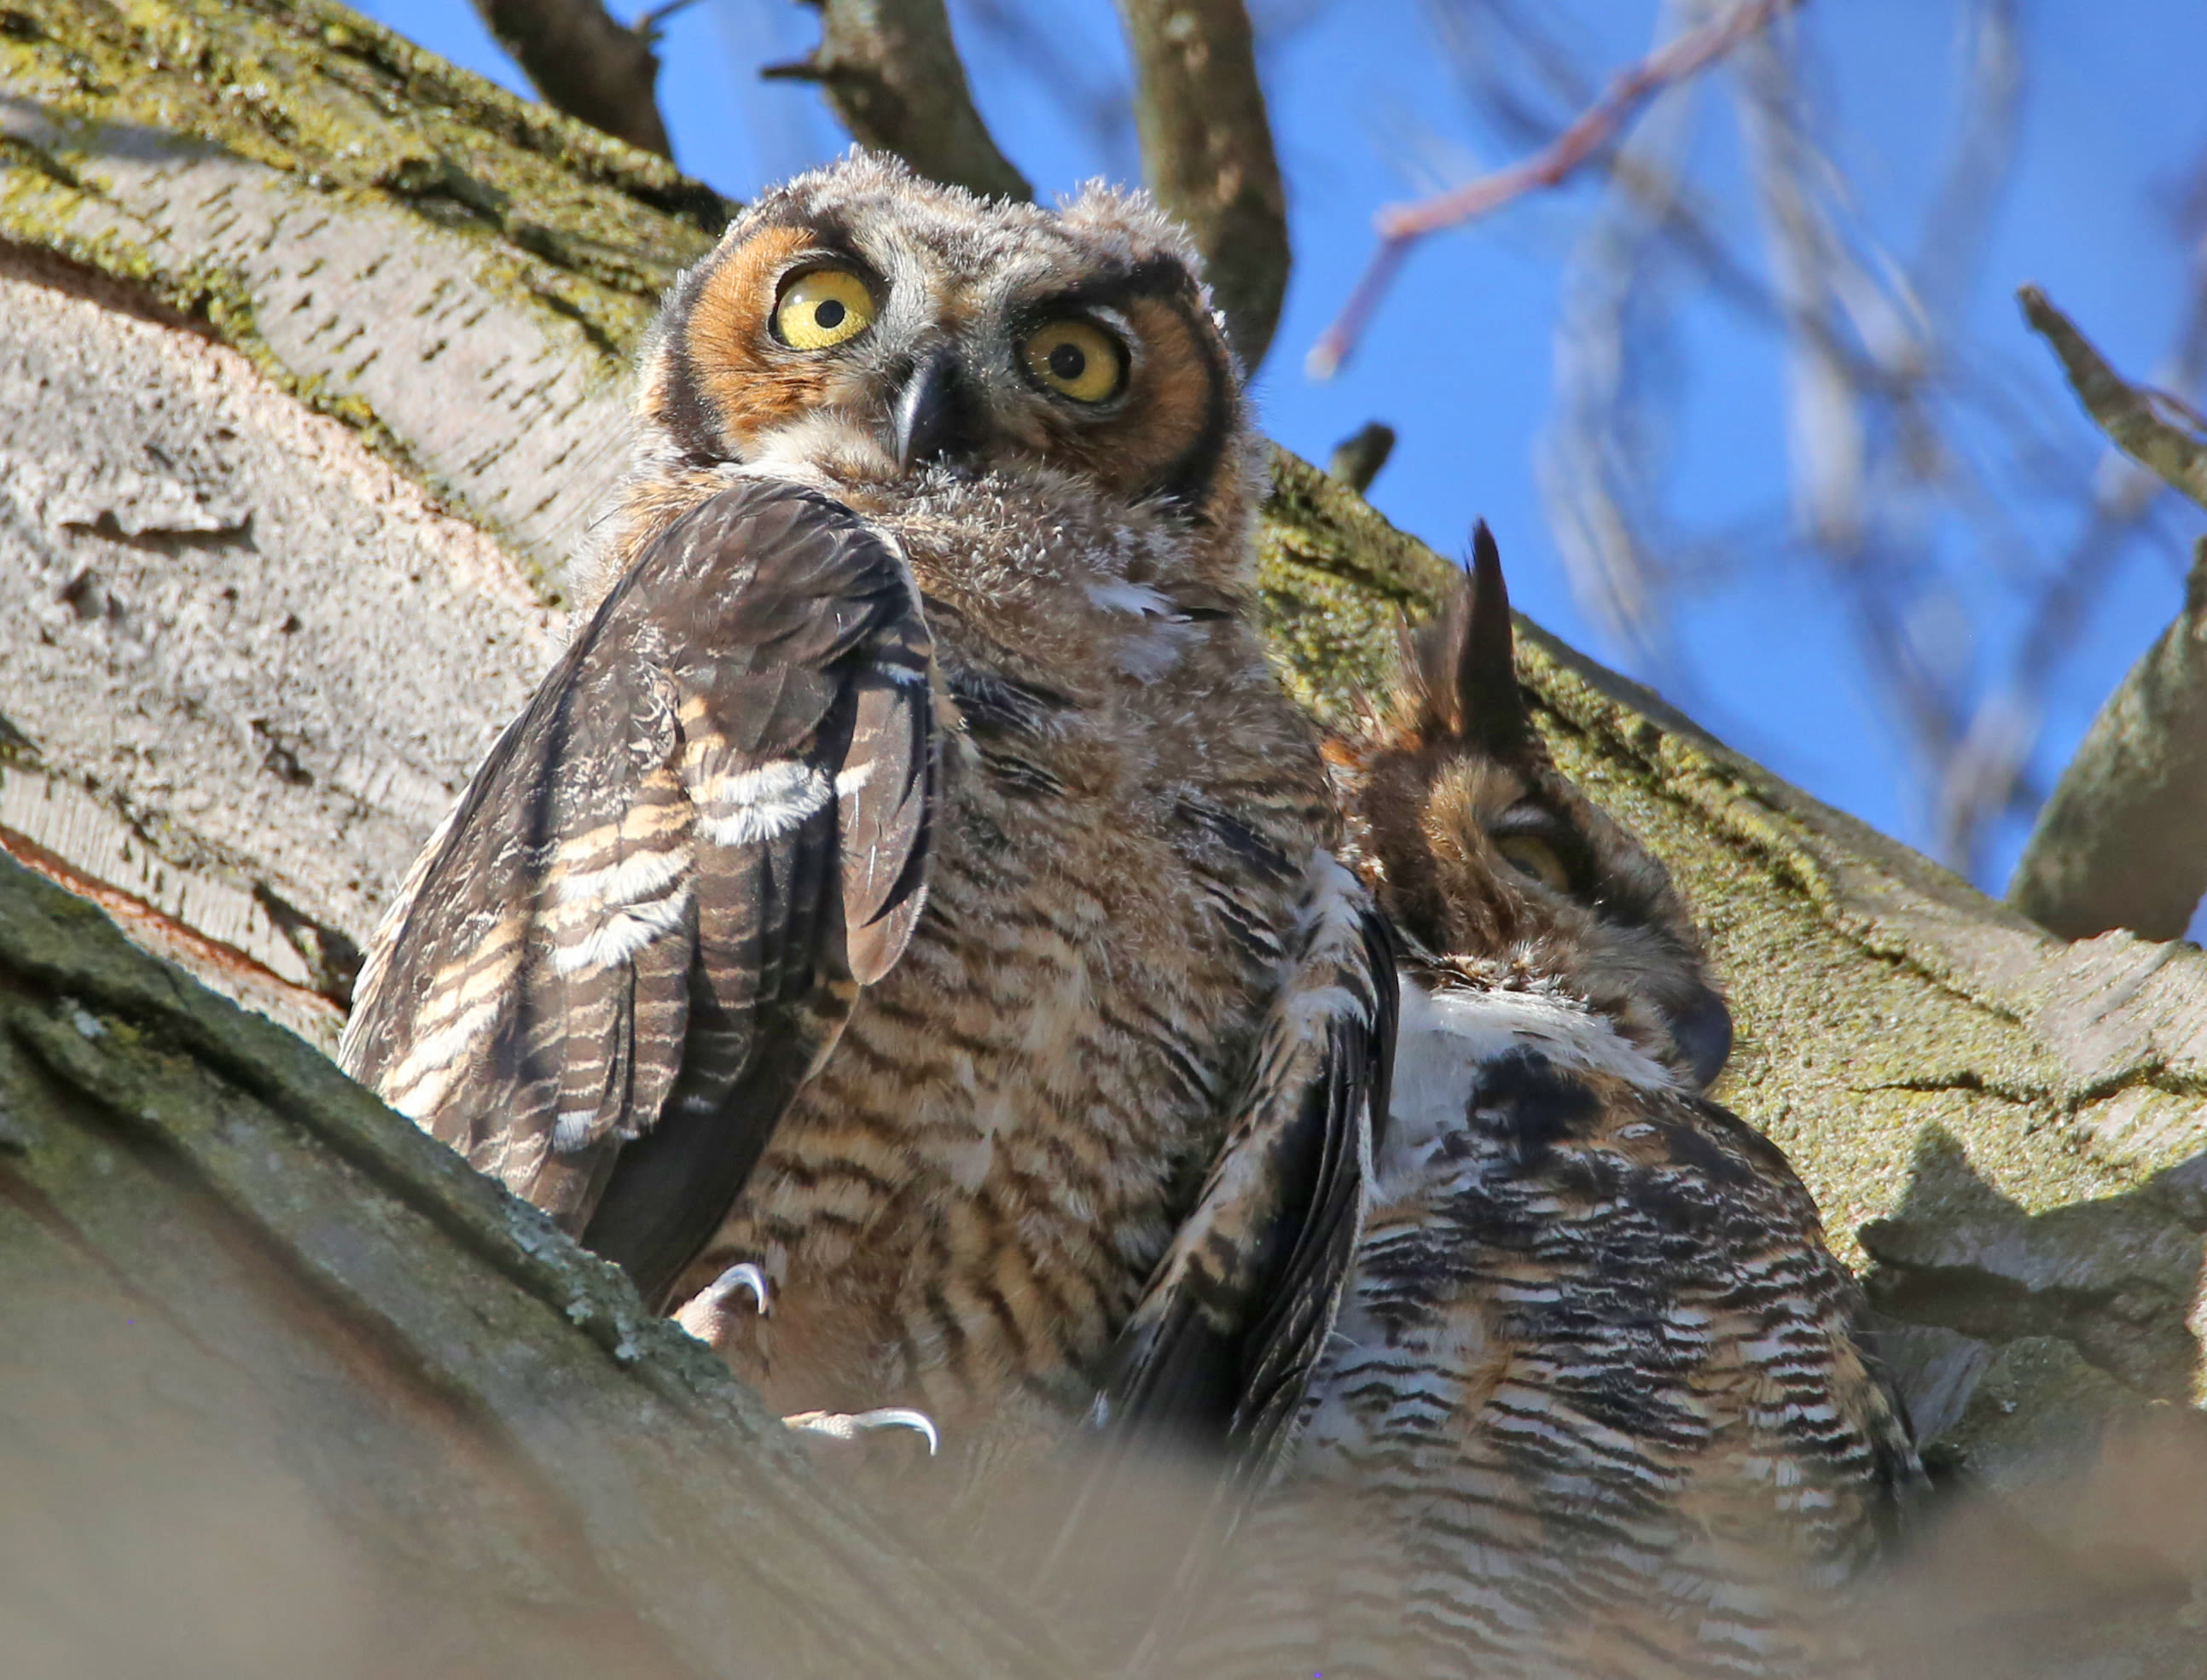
1130 897
645 920
1593 1405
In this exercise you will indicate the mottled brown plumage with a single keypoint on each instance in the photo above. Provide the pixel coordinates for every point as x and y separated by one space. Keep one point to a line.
1594 1406
914 883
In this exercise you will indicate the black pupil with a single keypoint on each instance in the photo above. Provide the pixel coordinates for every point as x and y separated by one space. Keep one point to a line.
829 315
1067 361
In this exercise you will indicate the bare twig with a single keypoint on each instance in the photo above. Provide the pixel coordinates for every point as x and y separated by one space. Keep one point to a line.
891 74
1402 226
1207 153
2133 416
1597 463
586 63
2122 843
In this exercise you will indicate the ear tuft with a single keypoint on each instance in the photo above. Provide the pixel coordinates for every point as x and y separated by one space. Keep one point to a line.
1463 671
1489 706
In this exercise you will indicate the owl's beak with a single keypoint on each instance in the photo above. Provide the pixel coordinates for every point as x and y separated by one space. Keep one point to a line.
1702 1031
930 410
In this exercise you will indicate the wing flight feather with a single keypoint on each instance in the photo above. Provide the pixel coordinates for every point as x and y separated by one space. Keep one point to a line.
642 924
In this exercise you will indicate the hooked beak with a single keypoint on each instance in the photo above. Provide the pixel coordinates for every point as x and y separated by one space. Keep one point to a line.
930 410
1702 1033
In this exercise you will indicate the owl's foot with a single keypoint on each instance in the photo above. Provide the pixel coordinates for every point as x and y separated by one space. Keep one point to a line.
705 1314
849 1425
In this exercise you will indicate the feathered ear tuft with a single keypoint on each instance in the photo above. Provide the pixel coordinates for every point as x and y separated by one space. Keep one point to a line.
1463 669
1489 706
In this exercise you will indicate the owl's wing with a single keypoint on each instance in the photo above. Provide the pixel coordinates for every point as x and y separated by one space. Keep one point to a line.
1216 1357
1218 1350
643 925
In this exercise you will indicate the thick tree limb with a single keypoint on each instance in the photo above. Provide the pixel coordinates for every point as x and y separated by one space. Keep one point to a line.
1207 153
890 71
2122 840
587 62
1402 226
307 1396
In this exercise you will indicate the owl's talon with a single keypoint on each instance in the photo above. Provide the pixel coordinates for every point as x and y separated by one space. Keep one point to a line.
704 1314
849 1425
745 1276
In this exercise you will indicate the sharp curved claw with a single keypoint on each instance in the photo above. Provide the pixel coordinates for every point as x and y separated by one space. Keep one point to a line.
745 1276
849 1425
704 1313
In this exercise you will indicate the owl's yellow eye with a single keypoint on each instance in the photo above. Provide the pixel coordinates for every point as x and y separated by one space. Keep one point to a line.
1536 857
1076 360
825 307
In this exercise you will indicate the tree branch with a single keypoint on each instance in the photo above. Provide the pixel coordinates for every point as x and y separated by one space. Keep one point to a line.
2126 413
2118 845
1402 226
1207 153
586 63
890 72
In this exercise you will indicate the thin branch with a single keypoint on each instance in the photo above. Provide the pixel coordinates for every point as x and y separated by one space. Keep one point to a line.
890 71
1597 461
2131 415
649 25
1401 226
1207 153
586 63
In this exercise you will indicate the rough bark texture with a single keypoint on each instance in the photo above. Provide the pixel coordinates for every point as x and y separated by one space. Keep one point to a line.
310 328
285 1389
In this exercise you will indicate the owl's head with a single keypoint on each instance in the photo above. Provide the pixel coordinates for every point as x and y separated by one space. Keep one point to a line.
1496 865
861 328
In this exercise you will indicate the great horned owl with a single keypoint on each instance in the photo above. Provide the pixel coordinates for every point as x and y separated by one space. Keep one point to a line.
1594 1406
911 893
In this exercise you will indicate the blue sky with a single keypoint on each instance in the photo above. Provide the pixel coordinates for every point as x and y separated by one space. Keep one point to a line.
1460 358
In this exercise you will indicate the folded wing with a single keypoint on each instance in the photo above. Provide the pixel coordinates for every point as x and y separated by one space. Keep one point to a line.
1214 1362
643 926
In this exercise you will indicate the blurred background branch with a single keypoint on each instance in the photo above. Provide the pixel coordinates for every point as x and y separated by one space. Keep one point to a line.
1402 225
1921 469
891 72
587 62
1207 153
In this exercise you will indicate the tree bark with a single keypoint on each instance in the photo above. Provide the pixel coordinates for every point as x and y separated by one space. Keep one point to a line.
331 341
289 1390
